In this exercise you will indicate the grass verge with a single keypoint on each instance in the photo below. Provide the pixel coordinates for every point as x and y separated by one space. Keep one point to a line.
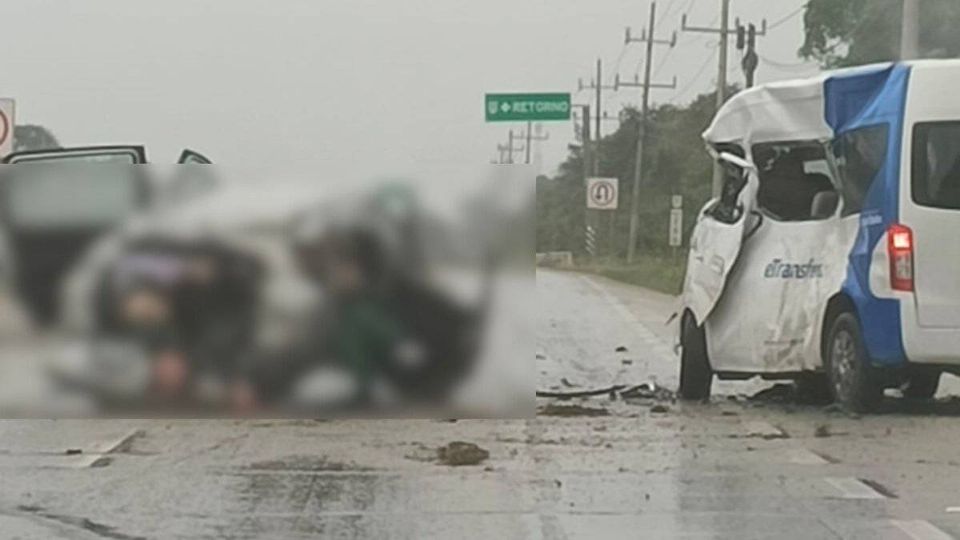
661 273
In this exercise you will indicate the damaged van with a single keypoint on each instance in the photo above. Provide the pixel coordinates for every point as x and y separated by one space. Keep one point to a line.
832 254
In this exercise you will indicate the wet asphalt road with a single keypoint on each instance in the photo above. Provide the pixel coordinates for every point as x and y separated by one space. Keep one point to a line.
647 468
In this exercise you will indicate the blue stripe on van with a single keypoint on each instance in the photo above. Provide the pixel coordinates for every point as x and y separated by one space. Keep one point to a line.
855 101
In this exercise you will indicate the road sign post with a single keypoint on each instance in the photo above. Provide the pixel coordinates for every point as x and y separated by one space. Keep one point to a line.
527 107
7 110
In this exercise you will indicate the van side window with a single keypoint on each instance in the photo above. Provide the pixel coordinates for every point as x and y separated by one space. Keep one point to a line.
936 165
859 155
795 181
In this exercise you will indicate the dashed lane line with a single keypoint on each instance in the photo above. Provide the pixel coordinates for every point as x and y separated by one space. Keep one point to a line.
763 429
100 450
802 456
918 529
854 488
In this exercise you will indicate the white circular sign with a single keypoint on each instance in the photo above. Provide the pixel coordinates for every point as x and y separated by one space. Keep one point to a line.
4 127
603 193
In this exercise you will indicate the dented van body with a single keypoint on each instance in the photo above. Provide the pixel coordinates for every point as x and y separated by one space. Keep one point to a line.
841 202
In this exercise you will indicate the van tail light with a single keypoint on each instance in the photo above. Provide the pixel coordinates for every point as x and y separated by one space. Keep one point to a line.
900 251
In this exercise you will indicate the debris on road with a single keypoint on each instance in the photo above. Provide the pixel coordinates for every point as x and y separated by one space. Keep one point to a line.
571 410
778 393
648 391
581 394
73 452
822 431
458 454
622 349
659 409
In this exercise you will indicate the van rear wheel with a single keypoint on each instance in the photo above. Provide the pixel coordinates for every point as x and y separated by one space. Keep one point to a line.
922 385
696 375
852 380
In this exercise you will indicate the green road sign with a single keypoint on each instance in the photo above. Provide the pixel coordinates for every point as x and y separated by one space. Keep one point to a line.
527 107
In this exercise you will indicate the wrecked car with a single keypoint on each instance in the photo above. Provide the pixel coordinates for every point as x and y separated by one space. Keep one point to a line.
228 302
831 254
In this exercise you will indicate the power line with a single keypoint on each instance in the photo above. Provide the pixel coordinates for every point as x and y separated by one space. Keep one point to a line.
784 65
666 13
787 17
686 88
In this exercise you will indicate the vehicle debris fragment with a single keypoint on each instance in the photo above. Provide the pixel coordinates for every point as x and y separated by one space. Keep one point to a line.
581 394
458 454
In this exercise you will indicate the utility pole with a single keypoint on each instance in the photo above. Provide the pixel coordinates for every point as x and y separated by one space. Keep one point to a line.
910 30
588 229
648 38
531 138
724 31
508 150
599 87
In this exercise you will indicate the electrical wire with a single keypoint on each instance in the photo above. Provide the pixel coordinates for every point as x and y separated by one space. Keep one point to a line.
686 88
786 18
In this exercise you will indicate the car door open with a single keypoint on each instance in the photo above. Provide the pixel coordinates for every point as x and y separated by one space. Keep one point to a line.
54 203
188 157
718 236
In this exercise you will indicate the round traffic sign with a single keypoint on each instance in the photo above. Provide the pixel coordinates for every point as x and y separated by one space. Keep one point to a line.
4 127
603 193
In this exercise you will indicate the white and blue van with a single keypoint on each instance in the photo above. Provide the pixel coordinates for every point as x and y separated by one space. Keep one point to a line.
833 252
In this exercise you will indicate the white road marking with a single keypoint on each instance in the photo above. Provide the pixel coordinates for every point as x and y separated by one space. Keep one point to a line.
662 348
953 509
802 456
918 529
763 429
99 450
853 488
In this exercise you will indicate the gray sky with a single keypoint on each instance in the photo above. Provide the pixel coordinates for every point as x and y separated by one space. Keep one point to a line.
348 88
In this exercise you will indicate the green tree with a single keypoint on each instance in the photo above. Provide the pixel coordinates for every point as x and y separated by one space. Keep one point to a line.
840 33
32 137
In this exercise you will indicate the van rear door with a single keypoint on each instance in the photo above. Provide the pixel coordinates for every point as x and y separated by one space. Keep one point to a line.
934 217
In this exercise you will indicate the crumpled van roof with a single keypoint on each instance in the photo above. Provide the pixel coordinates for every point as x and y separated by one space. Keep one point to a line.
792 110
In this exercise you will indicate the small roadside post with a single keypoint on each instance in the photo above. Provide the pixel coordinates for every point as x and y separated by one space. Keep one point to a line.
676 223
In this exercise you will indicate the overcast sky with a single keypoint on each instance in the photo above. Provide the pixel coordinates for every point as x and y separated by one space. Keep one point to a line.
347 88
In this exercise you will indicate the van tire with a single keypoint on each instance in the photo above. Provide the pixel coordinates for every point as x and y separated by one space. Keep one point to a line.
853 380
922 385
696 375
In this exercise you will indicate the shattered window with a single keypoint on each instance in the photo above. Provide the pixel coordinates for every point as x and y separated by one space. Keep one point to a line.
860 154
791 176
727 210
936 165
